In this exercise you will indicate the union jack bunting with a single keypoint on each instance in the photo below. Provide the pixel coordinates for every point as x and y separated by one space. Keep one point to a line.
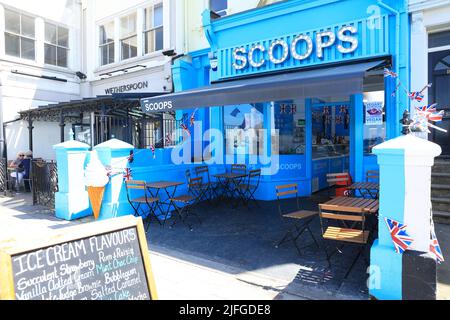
401 239
435 248
127 174
436 116
185 128
389 73
131 157
343 109
192 118
418 96
326 110
282 108
429 108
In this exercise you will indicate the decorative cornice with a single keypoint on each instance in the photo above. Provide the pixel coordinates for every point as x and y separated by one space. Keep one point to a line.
420 5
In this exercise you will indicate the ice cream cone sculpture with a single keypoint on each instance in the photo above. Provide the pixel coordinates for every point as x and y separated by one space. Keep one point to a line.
95 179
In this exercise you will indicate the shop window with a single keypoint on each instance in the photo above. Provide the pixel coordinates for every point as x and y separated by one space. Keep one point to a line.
330 129
107 43
153 29
56 45
219 6
289 117
128 37
243 124
374 120
19 35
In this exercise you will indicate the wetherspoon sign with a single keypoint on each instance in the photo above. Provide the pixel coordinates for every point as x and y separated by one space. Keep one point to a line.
105 260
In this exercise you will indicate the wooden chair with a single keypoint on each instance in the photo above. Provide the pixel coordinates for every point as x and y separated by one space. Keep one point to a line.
298 220
184 204
143 204
345 236
336 181
246 190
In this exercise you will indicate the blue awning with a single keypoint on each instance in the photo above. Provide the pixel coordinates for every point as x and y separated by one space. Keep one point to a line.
296 85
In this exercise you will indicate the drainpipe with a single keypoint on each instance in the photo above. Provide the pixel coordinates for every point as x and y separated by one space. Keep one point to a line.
397 49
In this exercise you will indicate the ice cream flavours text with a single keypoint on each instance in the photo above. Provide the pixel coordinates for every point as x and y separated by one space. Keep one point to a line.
64 252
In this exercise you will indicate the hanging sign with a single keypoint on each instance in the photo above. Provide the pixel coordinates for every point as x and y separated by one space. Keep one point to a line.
105 260
374 112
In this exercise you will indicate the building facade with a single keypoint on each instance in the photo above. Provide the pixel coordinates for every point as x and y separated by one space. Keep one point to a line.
278 83
39 57
430 53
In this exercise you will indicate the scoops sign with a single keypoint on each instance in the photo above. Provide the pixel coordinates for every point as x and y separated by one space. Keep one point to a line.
161 106
302 47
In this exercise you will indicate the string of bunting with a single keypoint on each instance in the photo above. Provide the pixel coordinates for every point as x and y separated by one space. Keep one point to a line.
424 114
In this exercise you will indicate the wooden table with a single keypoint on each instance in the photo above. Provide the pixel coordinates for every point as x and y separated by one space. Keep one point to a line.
351 205
371 189
163 185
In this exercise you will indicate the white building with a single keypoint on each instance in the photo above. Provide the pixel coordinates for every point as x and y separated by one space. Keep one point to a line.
430 58
39 56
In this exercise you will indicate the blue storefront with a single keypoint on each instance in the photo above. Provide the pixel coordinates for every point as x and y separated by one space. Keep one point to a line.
296 88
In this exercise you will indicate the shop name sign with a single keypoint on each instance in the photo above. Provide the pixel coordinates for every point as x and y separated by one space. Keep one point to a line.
127 87
302 47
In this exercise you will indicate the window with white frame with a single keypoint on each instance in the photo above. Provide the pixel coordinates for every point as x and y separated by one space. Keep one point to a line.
106 43
19 35
219 6
128 37
56 45
153 29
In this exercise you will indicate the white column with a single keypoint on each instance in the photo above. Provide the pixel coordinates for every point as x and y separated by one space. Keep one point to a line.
2 30
179 25
419 55
140 31
167 22
40 39
117 51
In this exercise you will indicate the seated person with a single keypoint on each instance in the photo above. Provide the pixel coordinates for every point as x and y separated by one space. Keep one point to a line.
20 169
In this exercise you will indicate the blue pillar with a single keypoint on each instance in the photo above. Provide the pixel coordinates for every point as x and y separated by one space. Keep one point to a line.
71 201
357 138
114 153
405 184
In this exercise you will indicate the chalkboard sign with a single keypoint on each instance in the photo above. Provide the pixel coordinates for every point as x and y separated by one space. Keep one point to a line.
106 260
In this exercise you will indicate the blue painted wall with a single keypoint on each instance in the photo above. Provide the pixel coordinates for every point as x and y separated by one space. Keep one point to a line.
383 30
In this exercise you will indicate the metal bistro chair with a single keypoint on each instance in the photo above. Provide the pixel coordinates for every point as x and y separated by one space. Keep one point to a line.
212 187
299 220
247 189
337 181
371 176
347 236
240 169
184 204
138 203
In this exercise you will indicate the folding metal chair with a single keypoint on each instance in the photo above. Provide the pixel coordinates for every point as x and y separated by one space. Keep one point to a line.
299 220
346 236
142 201
212 187
247 189
184 204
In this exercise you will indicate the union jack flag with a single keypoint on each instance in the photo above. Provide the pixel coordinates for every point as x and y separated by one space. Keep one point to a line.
435 248
326 110
415 95
430 108
436 116
389 73
400 237
282 109
343 109
168 140
293 109
127 174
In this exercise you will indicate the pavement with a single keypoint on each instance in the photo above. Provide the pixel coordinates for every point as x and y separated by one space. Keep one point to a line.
234 262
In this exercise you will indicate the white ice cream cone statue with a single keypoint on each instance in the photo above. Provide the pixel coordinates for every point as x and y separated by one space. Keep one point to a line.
95 179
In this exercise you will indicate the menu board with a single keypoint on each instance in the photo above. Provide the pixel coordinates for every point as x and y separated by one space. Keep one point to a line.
111 265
